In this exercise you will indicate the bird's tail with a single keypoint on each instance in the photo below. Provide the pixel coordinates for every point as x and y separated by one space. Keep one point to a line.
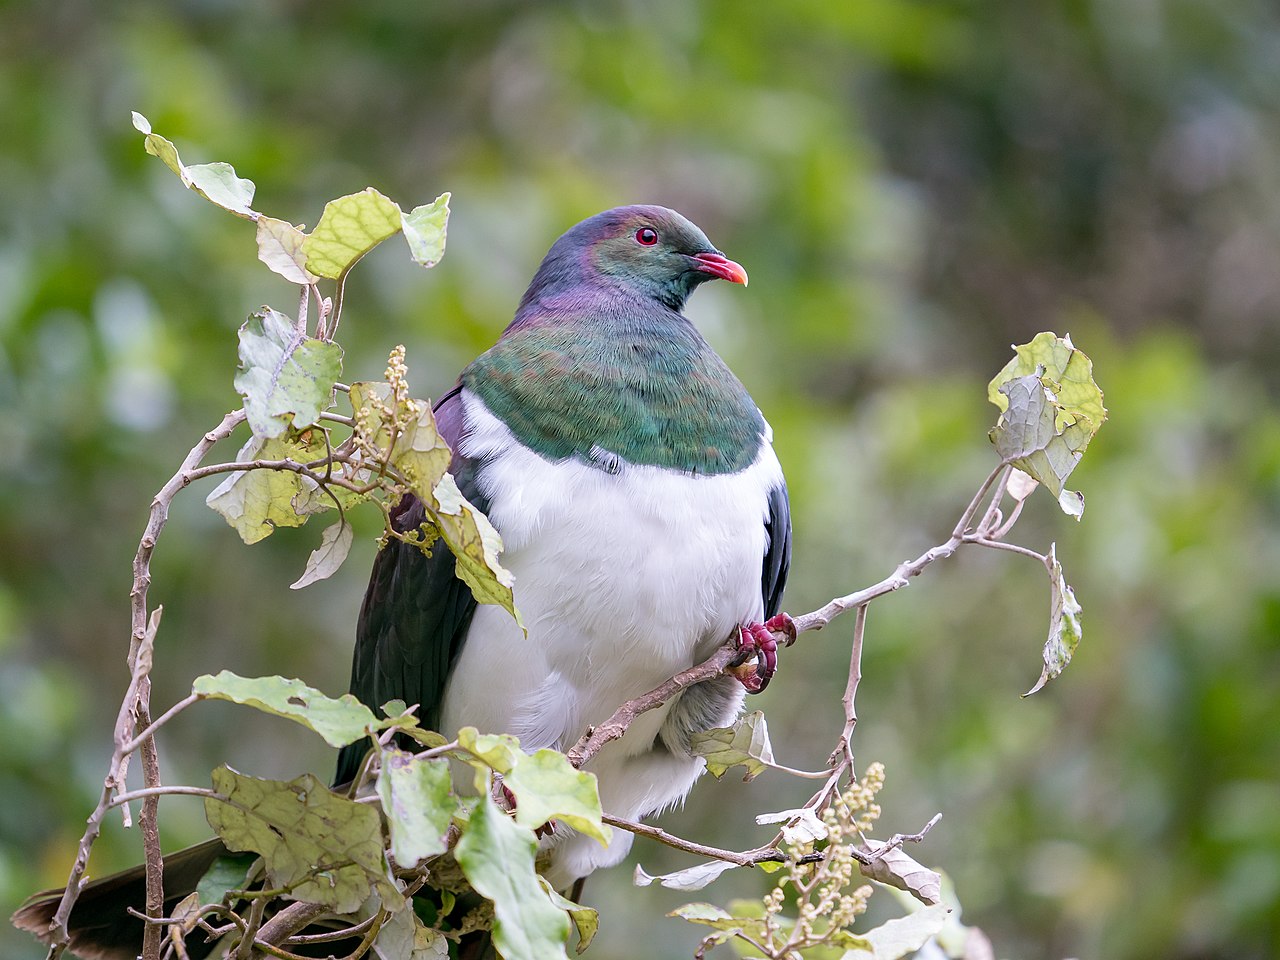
101 926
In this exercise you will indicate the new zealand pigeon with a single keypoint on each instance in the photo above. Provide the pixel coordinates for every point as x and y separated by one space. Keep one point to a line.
642 511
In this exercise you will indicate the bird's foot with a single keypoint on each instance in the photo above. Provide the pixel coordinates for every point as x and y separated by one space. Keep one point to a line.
507 800
763 639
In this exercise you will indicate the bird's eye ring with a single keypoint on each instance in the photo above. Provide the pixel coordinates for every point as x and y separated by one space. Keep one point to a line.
647 236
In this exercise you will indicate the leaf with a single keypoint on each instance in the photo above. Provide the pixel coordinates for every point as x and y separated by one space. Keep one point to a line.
1050 409
498 751
349 228
1064 624
475 544
712 916
424 227
324 848
497 856
897 869
216 182
256 502
285 376
280 248
690 878
586 920
801 825
547 786
746 743
404 937
227 873
335 544
419 452
339 722
1070 370
419 806
901 936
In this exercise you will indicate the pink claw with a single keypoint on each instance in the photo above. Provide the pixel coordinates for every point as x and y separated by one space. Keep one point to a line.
763 637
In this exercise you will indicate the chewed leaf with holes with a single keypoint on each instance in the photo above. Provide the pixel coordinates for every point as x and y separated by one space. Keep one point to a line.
322 847
341 721
418 804
256 502
1050 409
285 377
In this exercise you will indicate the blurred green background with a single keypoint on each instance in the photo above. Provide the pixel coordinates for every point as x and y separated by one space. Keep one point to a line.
912 187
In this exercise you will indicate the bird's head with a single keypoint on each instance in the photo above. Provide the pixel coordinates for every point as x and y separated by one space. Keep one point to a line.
651 250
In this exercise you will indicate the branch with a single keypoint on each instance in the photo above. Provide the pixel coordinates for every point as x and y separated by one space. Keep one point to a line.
136 701
747 858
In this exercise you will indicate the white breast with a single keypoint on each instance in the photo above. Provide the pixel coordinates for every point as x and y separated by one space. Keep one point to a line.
623 579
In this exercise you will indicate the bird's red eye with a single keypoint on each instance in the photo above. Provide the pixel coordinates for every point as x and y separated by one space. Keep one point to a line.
647 235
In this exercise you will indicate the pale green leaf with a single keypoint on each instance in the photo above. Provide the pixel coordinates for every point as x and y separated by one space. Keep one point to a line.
586 920
690 878
419 806
1050 409
746 743
897 869
216 182
497 751
709 915
1069 370
901 936
424 227
340 722
285 377
475 545
1064 625
325 848
225 874
404 937
256 502
280 248
547 787
349 228
497 856
335 544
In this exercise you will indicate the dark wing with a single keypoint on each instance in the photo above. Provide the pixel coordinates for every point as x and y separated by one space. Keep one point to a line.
416 611
777 553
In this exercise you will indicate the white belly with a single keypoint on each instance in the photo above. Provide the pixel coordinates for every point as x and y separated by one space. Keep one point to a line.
623 579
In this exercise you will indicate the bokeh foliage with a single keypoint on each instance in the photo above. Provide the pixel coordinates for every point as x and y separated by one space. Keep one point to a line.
912 186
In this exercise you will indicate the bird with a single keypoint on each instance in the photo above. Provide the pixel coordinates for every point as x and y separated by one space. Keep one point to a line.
643 513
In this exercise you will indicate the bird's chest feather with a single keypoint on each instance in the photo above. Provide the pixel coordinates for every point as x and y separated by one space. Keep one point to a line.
625 575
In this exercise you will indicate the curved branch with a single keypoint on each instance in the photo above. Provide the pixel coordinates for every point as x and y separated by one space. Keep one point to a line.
135 705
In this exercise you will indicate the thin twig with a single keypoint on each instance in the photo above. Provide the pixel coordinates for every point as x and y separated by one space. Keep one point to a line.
746 858
160 721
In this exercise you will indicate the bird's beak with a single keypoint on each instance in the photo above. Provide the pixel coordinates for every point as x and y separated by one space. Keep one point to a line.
718 265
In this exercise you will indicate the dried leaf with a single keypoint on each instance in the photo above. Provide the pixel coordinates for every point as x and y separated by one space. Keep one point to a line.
335 544
280 248
899 870
1064 625
690 878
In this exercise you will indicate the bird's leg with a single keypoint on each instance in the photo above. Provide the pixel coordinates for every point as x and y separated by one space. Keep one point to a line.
763 638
